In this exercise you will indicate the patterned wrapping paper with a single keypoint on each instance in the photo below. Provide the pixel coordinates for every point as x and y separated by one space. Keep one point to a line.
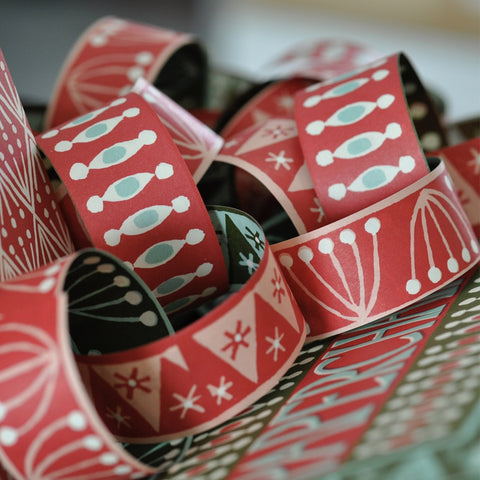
396 398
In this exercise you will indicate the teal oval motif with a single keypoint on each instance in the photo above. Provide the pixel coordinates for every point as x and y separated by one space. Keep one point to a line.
82 119
170 285
113 154
359 146
127 187
374 178
351 114
96 130
159 253
146 218
347 87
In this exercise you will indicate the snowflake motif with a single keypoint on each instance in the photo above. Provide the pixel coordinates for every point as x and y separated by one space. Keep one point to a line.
132 382
318 208
187 403
277 284
280 160
278 131
475 161
118 417
221 392
255 237
286 102
237 339
275 344
248 262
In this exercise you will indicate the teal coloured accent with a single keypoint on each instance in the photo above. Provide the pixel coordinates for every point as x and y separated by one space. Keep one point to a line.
351 114
346 87
82 119
96 130
374 178
177 304
359 146
170 285
113 154
146 218
127 187
159 253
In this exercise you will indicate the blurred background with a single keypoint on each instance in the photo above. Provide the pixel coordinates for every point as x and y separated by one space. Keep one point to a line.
440 37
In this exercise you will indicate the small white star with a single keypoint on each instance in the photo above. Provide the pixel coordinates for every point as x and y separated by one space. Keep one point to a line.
318 208
221 392
275 344
248 262
187 403
280 160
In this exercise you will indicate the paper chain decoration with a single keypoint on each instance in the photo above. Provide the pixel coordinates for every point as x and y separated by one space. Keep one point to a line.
131 312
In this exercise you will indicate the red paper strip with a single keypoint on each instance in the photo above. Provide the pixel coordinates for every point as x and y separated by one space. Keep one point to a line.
32 229
382 258
136 197
463 165
106 61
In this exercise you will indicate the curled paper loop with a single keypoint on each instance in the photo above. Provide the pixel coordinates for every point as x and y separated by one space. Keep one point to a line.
48 427
214 367
382 258
112 54
141 206
336 266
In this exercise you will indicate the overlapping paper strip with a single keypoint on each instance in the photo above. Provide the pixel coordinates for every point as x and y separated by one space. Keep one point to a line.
378 229
145 382
92 357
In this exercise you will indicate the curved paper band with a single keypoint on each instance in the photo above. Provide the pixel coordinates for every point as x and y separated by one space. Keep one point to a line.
357 137
213 368
380 259
32 229
463 165
48 426
109 57
197 143
136 197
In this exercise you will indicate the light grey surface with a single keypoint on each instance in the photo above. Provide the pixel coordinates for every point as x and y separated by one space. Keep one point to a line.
242 35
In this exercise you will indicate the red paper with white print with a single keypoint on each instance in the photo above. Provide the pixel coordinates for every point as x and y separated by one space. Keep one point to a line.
48 426
357 137
32 229
270 152
382 258
107 60
274 100
136 198
197 143
463 165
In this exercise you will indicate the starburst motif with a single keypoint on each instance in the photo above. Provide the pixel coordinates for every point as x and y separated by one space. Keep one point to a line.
255 237
318 208
248 262
276 344
187 403
118 416
132 382
221 392
280 160
277 286
475 161
237 339
231 143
